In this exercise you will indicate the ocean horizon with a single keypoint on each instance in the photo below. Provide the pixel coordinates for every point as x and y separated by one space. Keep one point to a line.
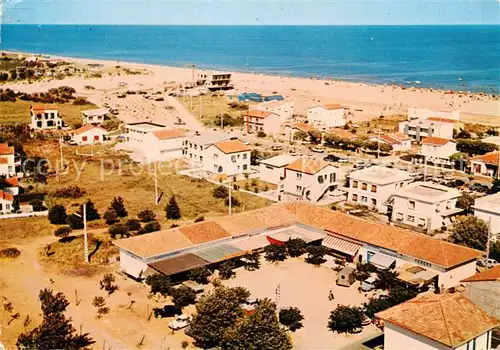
456 57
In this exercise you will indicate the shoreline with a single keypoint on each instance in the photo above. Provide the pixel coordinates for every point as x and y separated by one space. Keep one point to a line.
372 100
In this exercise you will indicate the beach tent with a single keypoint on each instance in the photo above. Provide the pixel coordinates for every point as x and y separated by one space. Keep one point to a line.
274 98
252 96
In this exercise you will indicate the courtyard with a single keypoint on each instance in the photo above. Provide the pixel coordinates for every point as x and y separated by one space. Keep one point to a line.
293 282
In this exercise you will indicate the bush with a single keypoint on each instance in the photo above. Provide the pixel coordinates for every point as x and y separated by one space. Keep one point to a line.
118 206
315 255
220 192
199 275
147 215
172 210
275 252
57 215
346 319
10 253
69 192
234 202
291 317
226 269
152 227
107 283
75 222
133 224
252 261
37 205
183 296
159 283
110 216
63 231
295 247
261 133
118 231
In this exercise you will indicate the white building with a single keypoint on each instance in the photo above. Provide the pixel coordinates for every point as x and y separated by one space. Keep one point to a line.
435 147
374 186
195 146
487 208
6 200
45 117
289 129
89 135
308 179
214 80
273 169
419 129
138 132
285 109
7 161
258 120
437 321
326 116
94 116
227 157
425 205
486 165
424 113
399 141
483 289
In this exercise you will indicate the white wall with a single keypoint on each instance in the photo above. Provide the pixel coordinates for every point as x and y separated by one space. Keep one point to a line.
309 182
162 150
89 137
41 119
382 194
398 338
271 173
285 109
453 277
217 161
444 151
419 129
324 118
270 124
9 168
424 113
5 206
131 265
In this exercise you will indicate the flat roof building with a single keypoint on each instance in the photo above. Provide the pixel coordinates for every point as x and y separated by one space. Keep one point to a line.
487 208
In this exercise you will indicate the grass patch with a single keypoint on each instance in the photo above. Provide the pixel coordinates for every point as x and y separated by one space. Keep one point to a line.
385 125
21 228
19 112
252 184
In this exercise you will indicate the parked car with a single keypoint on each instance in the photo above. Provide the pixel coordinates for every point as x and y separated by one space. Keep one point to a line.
343 160
331 158
488 263
277 147
317 150
368 284
180 322
167 311
72 142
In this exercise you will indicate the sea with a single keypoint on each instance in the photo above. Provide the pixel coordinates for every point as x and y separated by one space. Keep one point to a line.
446 57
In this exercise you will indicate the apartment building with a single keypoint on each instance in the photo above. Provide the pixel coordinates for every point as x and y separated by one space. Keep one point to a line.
258 120
214 80
424 113
326 116
45 117
230 158
419 129
437 148
195 146
425 205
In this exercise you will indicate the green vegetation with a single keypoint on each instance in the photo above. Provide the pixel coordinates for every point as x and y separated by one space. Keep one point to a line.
470 231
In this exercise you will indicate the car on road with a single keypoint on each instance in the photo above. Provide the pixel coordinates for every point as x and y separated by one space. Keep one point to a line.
343 160
368 284
277 147
317 150
167 311
488 263
180 322
71 143
331 158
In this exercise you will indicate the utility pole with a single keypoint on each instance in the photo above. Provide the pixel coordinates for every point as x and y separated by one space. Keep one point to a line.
230 199
61 153
425 168
221 120
378 144
156 184
85 239
488 241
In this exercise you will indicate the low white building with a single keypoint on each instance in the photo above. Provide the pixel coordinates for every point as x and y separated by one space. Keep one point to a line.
6 200
137 133
285 109
425 205
45 117
89 135
487 208
326 116
437 321
424 113
308 179
419 129
214 80
257 120
94 116
398 141
435 147
195 146
486 165
227 157
273 169
374 186
7 161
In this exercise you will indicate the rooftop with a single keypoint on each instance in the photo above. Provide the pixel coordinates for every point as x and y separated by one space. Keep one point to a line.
450 319
273 103
95 112
442 120
435 141
299 125
256 113
391 138
428 192
380 175
146 126
492 158
211 137
492 274
342 133
86 128
308 166
232 146
491 203
41 108
279 161
329 106
7 196
5 149
166 134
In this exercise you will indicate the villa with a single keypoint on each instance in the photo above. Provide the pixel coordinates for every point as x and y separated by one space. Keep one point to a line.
273 169
265 121
419 129
486 164
94 116
89 135
398 141
285 109
326 116
7 160
230 158
45 117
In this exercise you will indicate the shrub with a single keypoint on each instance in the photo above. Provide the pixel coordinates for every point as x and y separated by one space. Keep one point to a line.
291 317
57 215
152 227
110 217
226 269
234 202
296 247
315 255
10 253
63 231
69 192
37 205
146 215
220 192
159 283
75 222
252 261
118 231
275 252
118 206
133 224
183 296
107 283
199 275
261 134
172 210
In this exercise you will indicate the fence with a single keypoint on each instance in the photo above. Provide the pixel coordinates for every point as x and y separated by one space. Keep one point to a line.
24 215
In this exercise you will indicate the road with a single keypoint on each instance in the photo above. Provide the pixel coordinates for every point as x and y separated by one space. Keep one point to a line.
192 123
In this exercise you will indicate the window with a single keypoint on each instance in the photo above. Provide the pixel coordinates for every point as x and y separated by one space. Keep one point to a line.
269 167
410 218
245 156
333 177
298 188
299 175
399 216
215 156
233 159
364 186
201 158
354 197
190 145
411 204
438 208
96 137
423 263
448 205
421 222
7 206
84 138
195 146
201 148
364 199
374 188
245 167
354 184
374 201
320 179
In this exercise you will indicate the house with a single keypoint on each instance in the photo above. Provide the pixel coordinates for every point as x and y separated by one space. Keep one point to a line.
436 149
374 186
195 146
341 134
137 133
6 200
486 165
94 116
308 179
326 116
214 80
437 321
424 113
289 129
45 117
285 109
7 160
89 135
419 129
398 141
13 186
487 208
257 120
230 157
425 205
183 248
273 169
483 289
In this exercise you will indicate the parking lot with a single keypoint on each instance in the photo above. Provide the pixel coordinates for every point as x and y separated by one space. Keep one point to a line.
296 283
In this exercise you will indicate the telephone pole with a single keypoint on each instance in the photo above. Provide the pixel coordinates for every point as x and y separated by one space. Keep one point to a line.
230 199
85 239
156 184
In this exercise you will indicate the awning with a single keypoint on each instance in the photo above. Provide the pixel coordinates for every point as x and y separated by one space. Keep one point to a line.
171 266
341 245
219 253
381 261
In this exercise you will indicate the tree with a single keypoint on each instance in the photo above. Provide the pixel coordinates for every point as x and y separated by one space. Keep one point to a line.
62 231
465 202
92 213
315 136
75 222
152 227
118 231
159 283
146 215
259 330
315 255
199 275
37 205
13 74
133 224
216 313
251 261
55 331
220 192
346 319
275 252
375 305
118 206
386 279
291 317
57 215
470 231
107 283
172 209
226 269
495 186
261 133
100 304
15 204
183 296
463 134
296 247
110 217
495 250
234 202
300 135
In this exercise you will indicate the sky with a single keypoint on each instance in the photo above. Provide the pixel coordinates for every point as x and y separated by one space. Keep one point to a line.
251 12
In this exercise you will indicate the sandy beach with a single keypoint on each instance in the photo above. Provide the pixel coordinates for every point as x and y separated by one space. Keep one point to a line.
364 101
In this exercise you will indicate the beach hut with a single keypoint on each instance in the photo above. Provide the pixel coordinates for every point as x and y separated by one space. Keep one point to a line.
345 277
